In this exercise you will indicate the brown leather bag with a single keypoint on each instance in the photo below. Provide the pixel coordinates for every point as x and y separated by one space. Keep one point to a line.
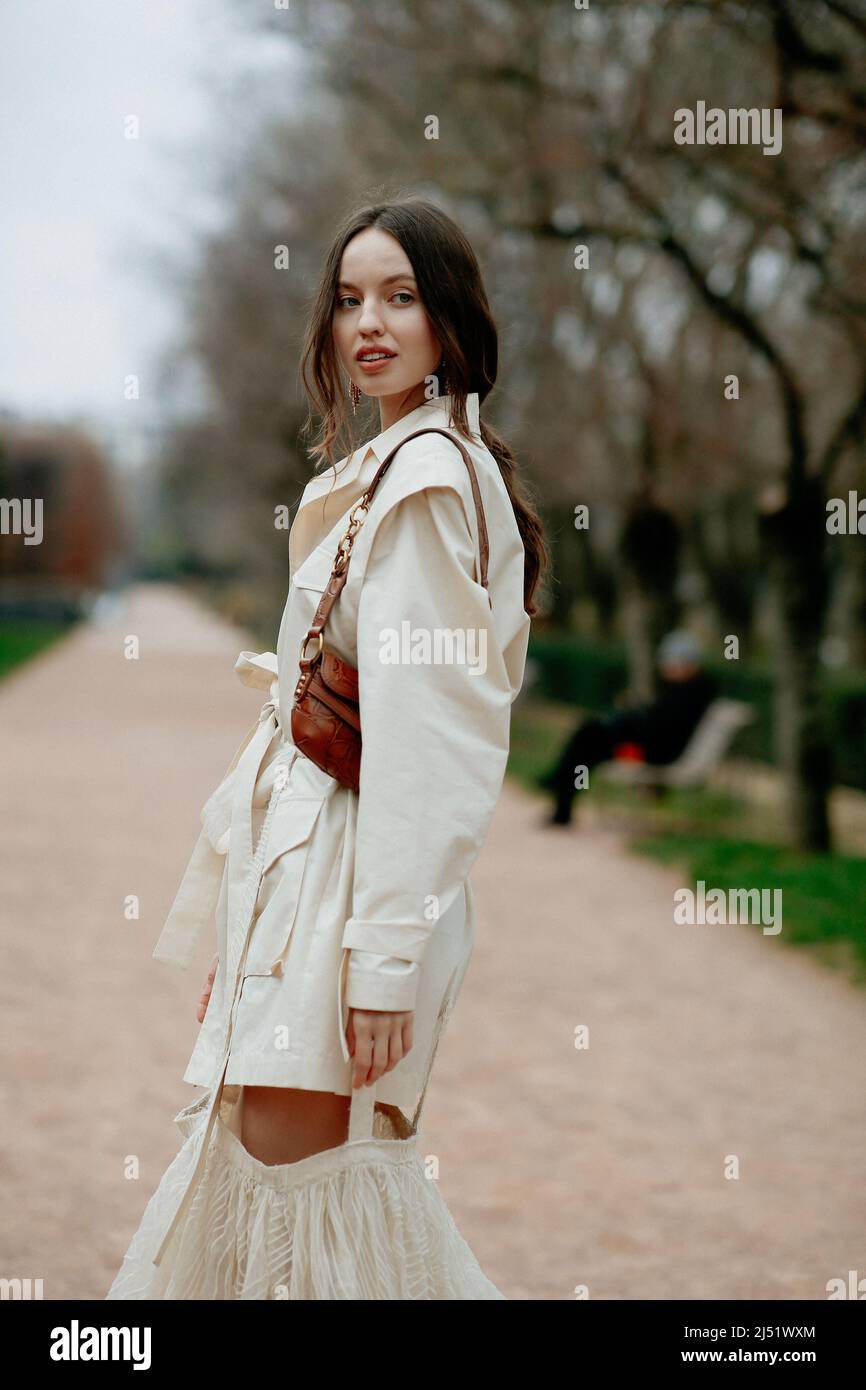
326 717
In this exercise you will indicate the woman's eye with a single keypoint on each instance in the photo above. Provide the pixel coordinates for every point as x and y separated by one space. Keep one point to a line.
408 298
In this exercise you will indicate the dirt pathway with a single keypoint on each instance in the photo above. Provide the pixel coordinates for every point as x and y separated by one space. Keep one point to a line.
603 1166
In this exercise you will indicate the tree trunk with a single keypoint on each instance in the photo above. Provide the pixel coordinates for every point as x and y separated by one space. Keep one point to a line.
647 616
846 617
796 537
649 552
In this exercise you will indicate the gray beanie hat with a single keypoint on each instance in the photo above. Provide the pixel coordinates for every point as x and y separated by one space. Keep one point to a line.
679 646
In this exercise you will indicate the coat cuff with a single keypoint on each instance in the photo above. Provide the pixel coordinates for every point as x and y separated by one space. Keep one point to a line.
408 940
379 982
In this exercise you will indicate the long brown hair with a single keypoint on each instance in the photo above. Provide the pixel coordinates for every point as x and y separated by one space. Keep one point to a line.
452 291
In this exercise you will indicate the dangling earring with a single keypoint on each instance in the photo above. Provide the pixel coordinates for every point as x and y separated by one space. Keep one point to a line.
443 376
355 393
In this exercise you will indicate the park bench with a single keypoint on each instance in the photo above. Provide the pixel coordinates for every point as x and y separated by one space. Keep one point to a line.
699 759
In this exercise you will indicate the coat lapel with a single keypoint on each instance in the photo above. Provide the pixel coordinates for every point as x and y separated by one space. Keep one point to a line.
324 502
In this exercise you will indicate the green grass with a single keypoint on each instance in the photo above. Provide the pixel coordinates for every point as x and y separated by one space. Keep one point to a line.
21 641
823 896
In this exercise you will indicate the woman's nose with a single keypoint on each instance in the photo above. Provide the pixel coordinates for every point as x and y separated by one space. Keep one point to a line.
370 317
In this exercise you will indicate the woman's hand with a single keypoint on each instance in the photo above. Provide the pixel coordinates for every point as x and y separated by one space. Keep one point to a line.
377 1040
206 991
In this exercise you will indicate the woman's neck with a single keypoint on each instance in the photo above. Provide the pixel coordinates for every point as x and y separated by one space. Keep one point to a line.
393 408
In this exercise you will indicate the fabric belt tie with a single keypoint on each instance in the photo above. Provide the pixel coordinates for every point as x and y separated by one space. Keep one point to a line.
227 831
226 815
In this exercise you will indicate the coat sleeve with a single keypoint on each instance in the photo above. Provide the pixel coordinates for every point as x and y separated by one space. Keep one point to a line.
435 718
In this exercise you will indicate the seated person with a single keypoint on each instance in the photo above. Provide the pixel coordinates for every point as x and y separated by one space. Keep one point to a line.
661 729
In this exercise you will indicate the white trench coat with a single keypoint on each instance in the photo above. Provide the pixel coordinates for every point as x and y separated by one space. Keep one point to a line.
362 900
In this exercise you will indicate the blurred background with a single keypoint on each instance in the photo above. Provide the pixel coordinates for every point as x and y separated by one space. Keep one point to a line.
682 364
683 332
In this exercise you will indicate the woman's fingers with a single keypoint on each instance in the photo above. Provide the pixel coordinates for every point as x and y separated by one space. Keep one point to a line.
207 990
359 1034
202 1004
377 1041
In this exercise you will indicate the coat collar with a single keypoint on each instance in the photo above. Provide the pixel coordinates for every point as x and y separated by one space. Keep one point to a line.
355 473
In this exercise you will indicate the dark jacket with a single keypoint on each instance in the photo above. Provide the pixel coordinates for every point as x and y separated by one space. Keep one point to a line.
664 726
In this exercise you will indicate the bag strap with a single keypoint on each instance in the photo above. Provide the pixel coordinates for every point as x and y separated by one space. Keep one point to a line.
361 1109
483 544
344 549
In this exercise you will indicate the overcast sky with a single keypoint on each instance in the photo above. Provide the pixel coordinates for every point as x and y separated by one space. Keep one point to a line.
86 212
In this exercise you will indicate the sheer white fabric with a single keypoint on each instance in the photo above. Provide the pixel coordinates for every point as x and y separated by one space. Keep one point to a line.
360 1221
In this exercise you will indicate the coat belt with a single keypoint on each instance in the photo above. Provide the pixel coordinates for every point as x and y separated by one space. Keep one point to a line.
227 830
226 817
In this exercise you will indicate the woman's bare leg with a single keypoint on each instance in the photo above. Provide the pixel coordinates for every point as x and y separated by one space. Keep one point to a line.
282 1125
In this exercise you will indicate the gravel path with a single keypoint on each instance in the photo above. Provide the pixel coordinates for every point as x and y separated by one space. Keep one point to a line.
604 1166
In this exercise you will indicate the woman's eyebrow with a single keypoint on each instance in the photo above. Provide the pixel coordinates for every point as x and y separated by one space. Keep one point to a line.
388 280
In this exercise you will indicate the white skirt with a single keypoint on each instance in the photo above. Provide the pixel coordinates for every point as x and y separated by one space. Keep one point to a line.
357 1221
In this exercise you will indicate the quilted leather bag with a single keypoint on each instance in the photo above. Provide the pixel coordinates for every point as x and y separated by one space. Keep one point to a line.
326 716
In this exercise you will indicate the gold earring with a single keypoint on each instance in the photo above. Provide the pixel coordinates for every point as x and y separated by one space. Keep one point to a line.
446 385
355 393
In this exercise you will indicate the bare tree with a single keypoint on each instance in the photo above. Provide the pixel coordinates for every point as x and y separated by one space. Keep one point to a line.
717 326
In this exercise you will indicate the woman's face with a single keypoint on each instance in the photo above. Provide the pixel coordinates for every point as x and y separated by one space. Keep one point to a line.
378 308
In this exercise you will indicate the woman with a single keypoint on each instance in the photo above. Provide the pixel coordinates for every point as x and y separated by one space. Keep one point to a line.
343 940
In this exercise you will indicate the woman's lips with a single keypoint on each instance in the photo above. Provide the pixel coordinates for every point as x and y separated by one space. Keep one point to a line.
377 363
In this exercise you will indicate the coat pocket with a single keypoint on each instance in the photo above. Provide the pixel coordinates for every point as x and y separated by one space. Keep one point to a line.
286 856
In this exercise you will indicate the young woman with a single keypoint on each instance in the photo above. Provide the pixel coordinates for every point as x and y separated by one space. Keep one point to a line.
345 920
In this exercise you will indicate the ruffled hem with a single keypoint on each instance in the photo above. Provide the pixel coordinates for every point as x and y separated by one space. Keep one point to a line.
359 1221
